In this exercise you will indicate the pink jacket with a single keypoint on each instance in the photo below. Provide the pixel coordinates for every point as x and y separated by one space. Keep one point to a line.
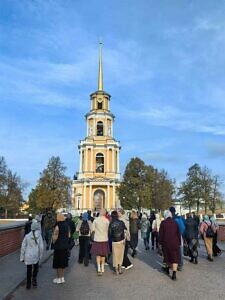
204 225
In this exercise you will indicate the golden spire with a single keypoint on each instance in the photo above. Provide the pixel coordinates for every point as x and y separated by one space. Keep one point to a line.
100 73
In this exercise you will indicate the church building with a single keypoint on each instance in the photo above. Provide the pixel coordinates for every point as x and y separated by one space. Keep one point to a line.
95 185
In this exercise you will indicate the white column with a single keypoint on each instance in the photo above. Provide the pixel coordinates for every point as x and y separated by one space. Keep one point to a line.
92 155
80 171
107 153
113 160
87 128
118 161
114 196
86 158
94 129
84 197
108 200
90 197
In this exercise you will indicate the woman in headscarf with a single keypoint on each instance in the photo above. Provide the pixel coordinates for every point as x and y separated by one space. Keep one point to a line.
117 233
207 230
145 230
31 253
84 227
191 237
61 235
100 246
216 250
126 262
170 239
155 231
134 227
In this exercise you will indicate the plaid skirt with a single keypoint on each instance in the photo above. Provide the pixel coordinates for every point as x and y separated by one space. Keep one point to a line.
100 248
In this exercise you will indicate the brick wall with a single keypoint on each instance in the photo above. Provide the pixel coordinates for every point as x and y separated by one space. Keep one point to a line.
11 239
221 233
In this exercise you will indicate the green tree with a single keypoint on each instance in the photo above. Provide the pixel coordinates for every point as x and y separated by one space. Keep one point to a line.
162 191
53 189
215 198
131 191
11 190
144 186
191 189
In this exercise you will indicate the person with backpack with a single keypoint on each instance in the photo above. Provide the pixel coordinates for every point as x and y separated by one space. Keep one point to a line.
84 228
117 233
31 253
207 230
135 225
180 222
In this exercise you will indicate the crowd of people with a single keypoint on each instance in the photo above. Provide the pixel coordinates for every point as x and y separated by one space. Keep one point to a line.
108 238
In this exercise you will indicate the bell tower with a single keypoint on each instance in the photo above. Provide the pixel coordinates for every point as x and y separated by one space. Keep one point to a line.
99 174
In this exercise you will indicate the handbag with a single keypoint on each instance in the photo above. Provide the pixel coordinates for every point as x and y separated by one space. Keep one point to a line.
71 243
186 249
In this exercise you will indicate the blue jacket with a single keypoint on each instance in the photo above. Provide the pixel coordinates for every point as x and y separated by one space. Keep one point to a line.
180 223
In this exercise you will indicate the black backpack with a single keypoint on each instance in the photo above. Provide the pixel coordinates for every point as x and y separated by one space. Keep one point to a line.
84 228
209 232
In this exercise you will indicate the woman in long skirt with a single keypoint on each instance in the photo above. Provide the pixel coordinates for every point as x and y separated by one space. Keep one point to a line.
100 246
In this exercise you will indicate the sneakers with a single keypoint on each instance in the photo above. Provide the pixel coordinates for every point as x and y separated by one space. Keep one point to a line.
128 267
59 280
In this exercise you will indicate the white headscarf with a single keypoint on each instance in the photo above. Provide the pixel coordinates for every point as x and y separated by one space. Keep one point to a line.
167 214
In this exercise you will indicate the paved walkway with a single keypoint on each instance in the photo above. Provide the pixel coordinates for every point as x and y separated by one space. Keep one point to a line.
144 281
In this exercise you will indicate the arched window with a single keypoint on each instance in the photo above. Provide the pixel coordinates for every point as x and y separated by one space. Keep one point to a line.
99 163
100 128
99 104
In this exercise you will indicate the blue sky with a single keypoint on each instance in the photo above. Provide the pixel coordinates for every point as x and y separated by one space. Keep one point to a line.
164 65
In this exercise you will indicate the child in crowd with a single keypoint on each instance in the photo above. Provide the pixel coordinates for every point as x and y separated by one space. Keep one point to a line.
31 253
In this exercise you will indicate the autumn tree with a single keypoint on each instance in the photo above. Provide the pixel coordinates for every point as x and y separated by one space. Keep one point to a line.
200 189
53 189
11 190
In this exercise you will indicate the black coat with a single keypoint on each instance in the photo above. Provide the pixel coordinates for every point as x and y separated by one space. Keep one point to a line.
62 241
191 229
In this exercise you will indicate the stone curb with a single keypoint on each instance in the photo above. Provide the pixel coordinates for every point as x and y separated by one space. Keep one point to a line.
10 294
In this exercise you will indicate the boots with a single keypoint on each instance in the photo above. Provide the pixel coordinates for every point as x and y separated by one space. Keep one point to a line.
116 270
34 282
192 260
196 260
174 276
120 270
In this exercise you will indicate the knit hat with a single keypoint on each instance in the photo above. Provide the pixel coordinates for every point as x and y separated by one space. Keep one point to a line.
85 216
172 209
35 226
